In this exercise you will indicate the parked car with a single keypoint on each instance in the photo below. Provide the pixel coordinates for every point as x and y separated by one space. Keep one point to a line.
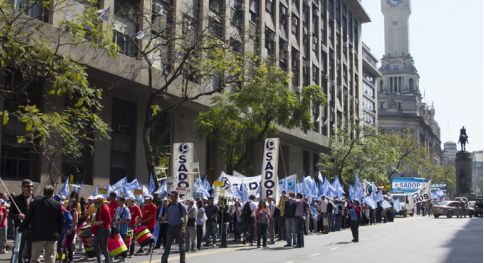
450 209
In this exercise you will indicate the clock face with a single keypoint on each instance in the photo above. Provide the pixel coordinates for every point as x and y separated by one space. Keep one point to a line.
394 2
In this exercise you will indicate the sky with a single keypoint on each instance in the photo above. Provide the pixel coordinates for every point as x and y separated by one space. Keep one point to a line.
446 44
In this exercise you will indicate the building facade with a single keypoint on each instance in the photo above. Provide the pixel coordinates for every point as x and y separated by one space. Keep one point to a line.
318 42
401 108
477 172
371 75
448 155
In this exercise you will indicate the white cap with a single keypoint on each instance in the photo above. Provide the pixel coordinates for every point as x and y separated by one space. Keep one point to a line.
149 197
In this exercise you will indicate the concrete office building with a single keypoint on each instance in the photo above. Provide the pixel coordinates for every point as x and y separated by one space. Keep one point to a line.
401 106
448 155
318 41
477 172
369 109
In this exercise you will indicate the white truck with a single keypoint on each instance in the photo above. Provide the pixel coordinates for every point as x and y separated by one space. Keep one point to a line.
407 203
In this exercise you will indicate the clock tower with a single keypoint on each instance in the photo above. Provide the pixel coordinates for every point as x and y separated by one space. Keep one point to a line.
396 14
400 77
400 105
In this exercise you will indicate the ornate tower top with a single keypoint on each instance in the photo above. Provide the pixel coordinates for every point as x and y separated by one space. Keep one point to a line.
396 14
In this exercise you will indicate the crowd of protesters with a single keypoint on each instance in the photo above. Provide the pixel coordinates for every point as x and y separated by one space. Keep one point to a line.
54 223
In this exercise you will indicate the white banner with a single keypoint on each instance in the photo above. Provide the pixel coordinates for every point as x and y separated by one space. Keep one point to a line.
182 166
251 183
270 162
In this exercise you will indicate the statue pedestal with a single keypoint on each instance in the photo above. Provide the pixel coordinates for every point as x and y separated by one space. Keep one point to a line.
463 173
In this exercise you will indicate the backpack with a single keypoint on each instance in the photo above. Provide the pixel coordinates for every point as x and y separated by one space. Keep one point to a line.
353 214
246 213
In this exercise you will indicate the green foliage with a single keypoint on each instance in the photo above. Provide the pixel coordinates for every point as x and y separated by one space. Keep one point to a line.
32 63
375 157
254 110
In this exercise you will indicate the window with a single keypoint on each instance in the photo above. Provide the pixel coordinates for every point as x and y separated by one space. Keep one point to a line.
368 104
368 90
126 46
17 160
123 140
269 6
410 85
295 26
369 119
215 6
34 9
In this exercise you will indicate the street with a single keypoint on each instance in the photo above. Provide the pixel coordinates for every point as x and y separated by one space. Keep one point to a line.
416 239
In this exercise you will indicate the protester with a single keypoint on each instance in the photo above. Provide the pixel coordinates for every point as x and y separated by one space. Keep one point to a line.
290 220
248 217
224 220
337 212
135 214
23 202
354 212
314 214
201 219
163 224
190 233
3 226
71 229
282 224
300 216
236 212
323 210
45 220
149 218
113 203
177 222
262 217
211 211
121 220
101 228
272 221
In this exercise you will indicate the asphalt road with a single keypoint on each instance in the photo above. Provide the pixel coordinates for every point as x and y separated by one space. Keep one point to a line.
409 240
417 239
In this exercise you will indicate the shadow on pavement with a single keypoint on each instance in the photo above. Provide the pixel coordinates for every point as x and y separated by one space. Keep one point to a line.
466 246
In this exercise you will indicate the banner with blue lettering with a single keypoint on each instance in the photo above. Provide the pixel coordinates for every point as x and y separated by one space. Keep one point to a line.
269 181
182 174
409 184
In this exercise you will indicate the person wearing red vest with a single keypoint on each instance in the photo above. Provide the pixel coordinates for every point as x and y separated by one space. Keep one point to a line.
101 228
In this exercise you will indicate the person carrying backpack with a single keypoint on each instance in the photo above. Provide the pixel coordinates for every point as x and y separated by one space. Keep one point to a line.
354 213
248 215
176 215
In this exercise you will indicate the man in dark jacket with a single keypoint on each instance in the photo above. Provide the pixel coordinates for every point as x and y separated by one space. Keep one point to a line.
23 202
45 216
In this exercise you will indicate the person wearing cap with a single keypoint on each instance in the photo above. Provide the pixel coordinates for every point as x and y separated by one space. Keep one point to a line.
101 228
149 217
112 203
135 213
122 217
190 233
323 211
46 222
176 215
23 202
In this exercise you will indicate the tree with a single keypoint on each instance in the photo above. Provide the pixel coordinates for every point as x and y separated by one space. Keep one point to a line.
254 110
404 154
30 63
181 59
375 157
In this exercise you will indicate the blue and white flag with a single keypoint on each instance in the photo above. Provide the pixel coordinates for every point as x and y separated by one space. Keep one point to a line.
379 196
385 204
338 189
119 184
370 202
396 205
151 186
310 187
64 191
206 185
299 188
